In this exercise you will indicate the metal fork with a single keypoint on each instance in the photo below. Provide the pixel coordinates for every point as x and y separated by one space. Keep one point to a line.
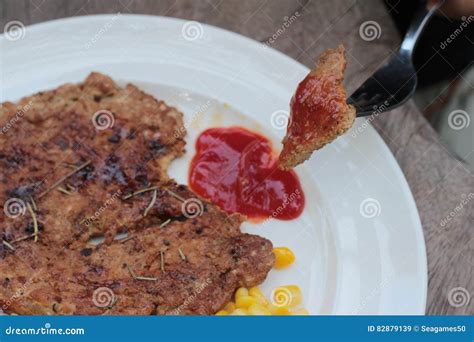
395 82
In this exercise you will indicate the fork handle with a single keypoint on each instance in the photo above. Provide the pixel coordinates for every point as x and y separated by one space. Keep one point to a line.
418 23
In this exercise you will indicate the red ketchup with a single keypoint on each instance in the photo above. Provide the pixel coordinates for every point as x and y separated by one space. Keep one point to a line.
312 107
234 168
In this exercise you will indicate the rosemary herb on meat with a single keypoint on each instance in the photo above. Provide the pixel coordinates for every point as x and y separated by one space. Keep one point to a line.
35 221
134 275
35 207
114 301
162 261
26 237
151 188
176 195
80 167
152 203
165 223
181 254
8 245
64 191
127 238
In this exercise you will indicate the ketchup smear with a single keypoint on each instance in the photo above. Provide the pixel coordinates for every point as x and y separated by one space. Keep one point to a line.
313 105
234 168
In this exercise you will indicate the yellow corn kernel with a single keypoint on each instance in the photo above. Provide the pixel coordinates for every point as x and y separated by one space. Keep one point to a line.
242 291
284 257
229 307
258 310
243 302
300 312
222 313
297 296
239 312
258 294
289 295
279 310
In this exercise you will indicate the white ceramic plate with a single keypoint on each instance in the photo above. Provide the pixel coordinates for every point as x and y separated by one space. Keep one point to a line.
359 243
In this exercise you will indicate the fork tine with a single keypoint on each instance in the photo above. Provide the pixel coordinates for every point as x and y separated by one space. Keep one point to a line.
388 88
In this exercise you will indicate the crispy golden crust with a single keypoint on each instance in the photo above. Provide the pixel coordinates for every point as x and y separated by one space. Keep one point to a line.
196 261
319 112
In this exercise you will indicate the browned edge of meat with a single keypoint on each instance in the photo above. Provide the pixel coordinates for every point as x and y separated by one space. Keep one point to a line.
319 112
90 160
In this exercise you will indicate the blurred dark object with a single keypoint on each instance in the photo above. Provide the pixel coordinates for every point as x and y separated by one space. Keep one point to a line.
446 47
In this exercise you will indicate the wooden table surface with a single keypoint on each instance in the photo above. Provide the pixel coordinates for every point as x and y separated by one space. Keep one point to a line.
442 185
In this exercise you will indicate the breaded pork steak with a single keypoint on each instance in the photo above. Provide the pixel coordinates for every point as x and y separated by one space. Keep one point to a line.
90 160
319 112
